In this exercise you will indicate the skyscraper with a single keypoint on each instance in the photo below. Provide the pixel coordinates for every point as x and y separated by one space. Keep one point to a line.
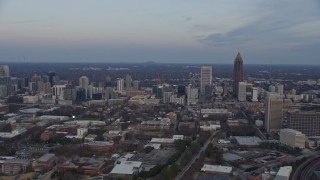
84 83
273 112
51 75
128 82
206 78
4 71
242 91
120 84
237 73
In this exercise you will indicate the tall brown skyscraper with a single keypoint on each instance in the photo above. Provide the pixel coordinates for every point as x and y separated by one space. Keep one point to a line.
237 73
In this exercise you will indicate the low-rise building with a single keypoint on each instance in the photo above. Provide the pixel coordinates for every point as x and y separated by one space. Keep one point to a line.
15 166
126 168
102 146
292 138
283 173
207 168
247 140
45 162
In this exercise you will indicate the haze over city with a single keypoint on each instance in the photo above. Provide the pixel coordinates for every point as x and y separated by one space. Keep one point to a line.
277 32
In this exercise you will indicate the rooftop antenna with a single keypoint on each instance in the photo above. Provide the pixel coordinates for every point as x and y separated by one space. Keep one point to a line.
270 72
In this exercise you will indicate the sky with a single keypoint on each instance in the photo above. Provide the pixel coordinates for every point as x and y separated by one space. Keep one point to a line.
166 31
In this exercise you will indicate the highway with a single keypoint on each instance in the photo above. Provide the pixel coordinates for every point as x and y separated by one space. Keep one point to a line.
305 170
187 167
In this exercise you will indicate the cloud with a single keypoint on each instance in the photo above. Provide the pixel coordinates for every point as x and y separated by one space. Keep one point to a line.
283 25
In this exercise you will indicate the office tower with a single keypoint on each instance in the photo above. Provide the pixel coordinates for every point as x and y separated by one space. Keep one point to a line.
3 91
69 93
167 97
84 82
44 87
154 90
32 86
108 93
272 88
273 112
160 91
80 95
206 78
237 73
136 85
254 94
128 82
6 81
307 122
120 84
192 95
181 90
293 92
108 81
4 71
279 89
57 91
51 75
242 91
24 82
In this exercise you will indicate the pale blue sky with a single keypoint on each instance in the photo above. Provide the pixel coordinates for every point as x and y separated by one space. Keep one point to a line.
181 31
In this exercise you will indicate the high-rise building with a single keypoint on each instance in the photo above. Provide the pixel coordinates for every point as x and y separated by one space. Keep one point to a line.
237 73
273 112
51 75
136 85
84 82
167 97
279 89
254 94
4 71
272 88
57 91
192 94
69 93
181 90
120 84
108 81
242 91
206 78
128 82
6 81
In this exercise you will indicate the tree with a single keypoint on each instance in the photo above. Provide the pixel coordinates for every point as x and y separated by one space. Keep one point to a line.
148 149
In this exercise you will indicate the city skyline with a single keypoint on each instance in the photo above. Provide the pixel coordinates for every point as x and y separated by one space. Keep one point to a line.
276 32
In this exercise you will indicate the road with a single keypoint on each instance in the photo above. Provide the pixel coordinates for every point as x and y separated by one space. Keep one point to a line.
305 170
187 167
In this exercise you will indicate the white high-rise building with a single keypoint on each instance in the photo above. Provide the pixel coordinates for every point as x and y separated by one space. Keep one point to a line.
192 95
120 84
254 94
57 91
273 112
206 78
242 91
